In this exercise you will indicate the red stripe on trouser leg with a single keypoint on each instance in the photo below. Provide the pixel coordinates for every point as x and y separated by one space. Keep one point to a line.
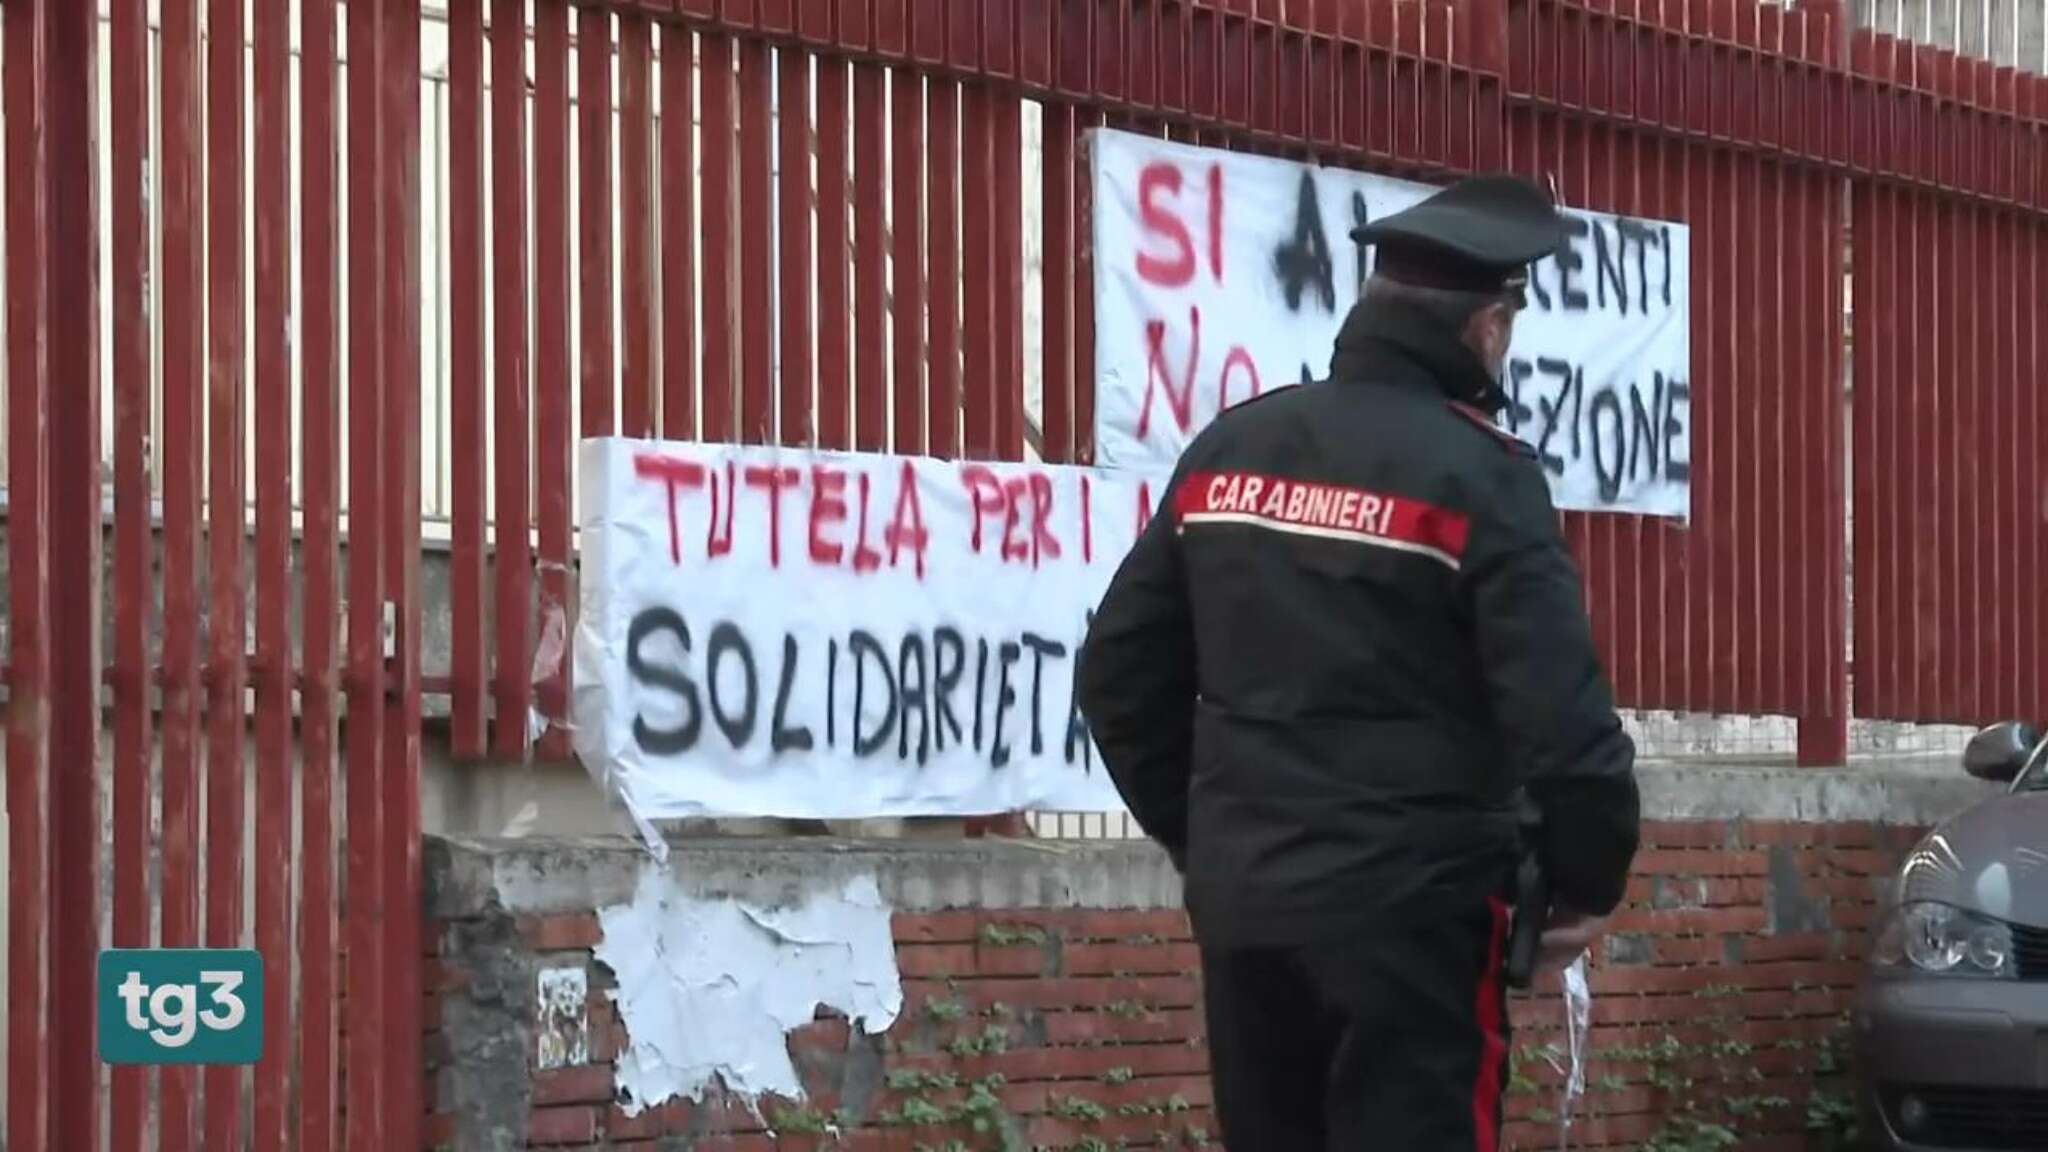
1493 1043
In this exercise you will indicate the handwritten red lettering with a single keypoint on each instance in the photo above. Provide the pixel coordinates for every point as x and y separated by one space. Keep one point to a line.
718 542
908 525
985 493
773 481
1144 504
1087 525
1180 397
1216 222
828 507
1165 222
865 558
1044 545
1181 400
1238 359
673 475
1015 489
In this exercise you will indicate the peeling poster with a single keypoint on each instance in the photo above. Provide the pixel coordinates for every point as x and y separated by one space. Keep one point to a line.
711 988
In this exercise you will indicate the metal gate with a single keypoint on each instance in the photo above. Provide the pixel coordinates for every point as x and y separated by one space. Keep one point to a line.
803 222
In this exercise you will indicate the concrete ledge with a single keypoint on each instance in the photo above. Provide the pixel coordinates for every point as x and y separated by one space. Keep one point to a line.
466 876
1908 792
542 875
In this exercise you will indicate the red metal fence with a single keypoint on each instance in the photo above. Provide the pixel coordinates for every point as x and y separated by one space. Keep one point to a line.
820 240
1951 163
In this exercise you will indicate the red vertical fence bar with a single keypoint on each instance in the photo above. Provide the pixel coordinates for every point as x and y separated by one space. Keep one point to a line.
594 214
512 557
28 911
2027 348
2001 693
2036 296
906 264
271 111
399 187
1870 254
467 411
1007 238
835 365
2017 347
1700 199
1058 290
553 432
71 330
1996 695
2006 243
597 382
1958 450
636 228
757 249
226 620
1931 385
720 224
1923 386
1594 169
796 425
1798 215
1721 409
318 1099
1913 354
1970 444
678 235
1941 531
1084 305
1831 663
977 263
1910 418
1657 194
942 279
1643 185
1997 669
1892 395
870 261
134 547
1759 350
363 887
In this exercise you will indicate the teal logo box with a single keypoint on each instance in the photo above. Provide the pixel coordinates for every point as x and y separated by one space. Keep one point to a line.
181 1005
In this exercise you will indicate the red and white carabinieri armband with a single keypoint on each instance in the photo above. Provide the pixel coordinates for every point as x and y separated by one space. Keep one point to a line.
1327 511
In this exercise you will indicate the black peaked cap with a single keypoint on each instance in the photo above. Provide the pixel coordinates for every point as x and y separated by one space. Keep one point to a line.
1480 234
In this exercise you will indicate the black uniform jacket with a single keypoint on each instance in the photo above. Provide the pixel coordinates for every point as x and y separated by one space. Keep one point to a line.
1350 641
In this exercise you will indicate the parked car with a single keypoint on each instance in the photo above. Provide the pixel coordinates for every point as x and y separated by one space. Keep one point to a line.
1951 1027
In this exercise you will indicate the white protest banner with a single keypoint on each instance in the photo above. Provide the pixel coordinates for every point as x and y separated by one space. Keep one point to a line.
778 632
1219 275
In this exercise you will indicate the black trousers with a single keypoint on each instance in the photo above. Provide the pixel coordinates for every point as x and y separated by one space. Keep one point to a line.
1397 1042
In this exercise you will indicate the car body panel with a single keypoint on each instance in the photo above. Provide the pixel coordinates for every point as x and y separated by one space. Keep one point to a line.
1971 1050
1993 859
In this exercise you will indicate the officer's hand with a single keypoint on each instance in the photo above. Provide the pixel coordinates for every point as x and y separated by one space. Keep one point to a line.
1564 937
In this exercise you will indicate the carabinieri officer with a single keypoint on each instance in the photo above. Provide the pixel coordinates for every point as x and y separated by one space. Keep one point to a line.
1349 644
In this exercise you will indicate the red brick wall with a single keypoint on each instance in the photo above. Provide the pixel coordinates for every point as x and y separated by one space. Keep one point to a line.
1731 967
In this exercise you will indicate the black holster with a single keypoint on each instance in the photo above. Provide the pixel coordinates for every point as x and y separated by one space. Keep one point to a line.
1531 903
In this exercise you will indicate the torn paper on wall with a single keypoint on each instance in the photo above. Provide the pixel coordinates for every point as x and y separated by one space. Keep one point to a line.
712 988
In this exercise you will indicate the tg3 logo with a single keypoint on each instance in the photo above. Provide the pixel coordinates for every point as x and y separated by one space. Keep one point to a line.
180 1006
